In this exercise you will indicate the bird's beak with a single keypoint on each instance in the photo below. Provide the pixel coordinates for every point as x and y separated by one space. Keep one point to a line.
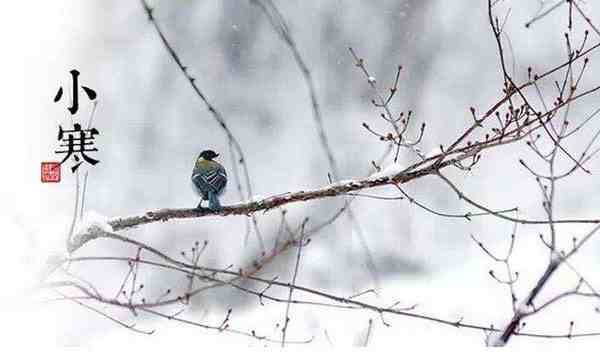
217 155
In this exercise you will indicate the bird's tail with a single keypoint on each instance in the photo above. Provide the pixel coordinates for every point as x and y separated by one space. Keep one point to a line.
213 202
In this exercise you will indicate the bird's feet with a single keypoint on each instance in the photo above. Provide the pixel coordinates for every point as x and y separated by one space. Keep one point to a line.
214 207
211 206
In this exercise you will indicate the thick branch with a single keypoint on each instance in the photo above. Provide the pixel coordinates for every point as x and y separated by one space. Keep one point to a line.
267 204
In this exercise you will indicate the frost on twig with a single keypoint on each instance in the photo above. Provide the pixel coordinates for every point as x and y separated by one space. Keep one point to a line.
91 226
388 171
494 339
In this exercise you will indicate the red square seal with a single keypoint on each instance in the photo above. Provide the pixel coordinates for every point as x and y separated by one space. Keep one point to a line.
50 172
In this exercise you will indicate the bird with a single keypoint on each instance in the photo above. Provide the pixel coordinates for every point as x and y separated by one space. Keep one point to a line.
209 179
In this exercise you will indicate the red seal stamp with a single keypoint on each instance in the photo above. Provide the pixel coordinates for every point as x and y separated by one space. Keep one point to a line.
50 171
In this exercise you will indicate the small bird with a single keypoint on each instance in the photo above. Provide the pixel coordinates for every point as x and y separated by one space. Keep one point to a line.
209 179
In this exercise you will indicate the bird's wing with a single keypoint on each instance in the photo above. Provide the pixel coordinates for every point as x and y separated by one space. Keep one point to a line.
216 179
198 185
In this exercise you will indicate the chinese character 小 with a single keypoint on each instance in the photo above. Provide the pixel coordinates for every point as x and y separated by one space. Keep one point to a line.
75 105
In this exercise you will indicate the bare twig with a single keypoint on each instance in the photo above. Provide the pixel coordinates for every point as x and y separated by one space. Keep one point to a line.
300 245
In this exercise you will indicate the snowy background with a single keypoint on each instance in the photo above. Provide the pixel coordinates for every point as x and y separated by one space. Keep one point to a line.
153 126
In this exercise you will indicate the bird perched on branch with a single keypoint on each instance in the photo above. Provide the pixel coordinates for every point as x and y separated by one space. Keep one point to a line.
209 179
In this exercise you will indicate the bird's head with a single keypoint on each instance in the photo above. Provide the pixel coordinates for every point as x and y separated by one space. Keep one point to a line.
208 155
